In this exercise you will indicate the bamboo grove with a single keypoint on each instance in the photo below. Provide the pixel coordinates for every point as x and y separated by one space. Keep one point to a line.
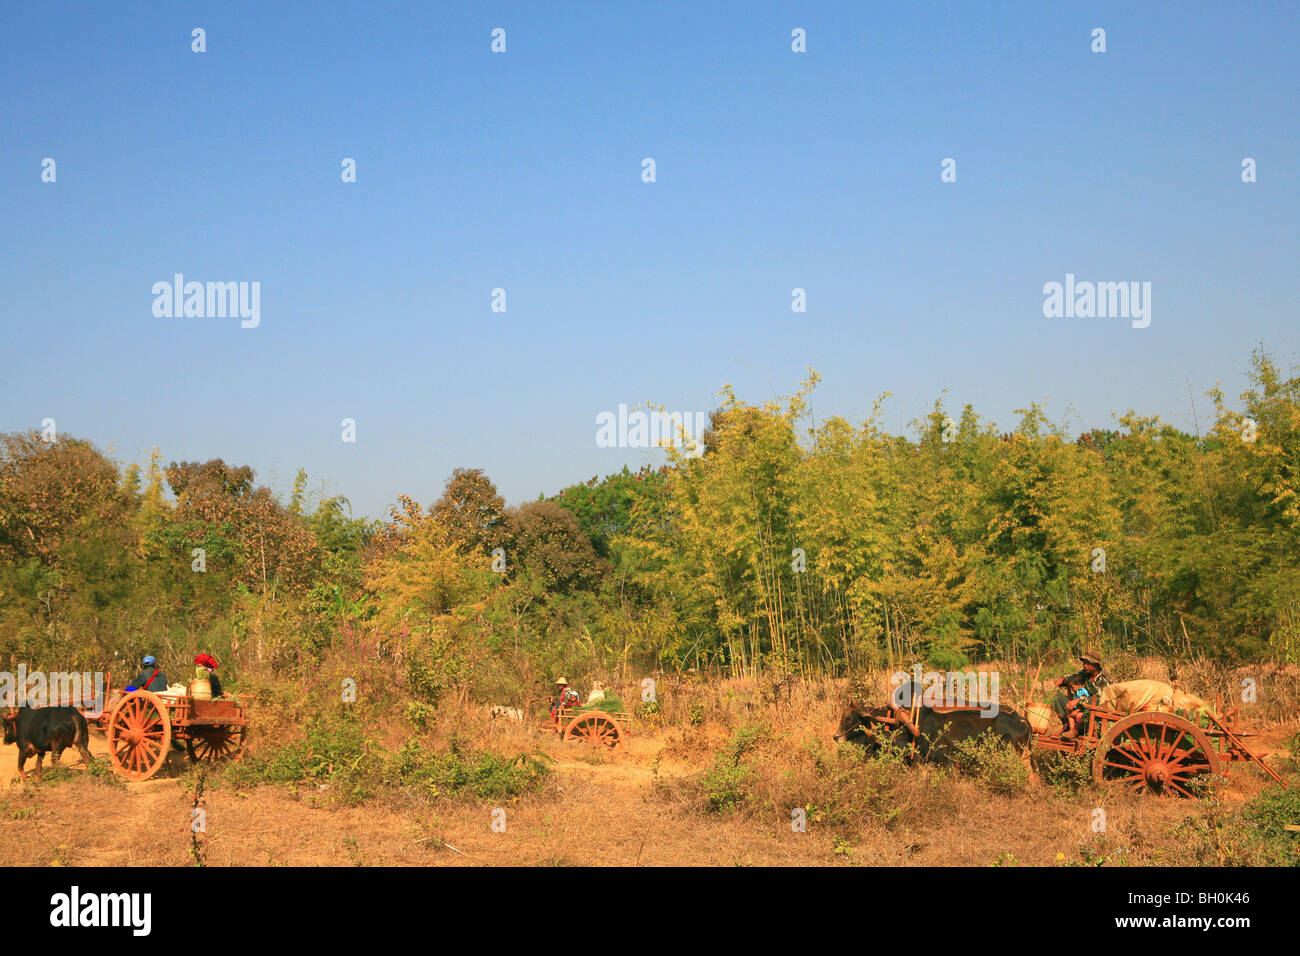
789 546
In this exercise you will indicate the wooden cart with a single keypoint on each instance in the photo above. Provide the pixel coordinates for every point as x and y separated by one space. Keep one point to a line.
597 727
141 727
1155 751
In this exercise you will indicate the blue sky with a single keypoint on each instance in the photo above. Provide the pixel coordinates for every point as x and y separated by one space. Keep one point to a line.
522 171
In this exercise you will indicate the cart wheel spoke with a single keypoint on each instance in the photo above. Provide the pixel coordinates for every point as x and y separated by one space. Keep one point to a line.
1134 757
214 743
1155 752
1158 744
1172 748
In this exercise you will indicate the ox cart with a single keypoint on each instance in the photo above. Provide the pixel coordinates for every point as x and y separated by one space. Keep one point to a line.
1156 751
597 727
1150 751
141 728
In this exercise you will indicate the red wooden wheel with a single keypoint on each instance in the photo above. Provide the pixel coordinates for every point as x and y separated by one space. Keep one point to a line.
215 743
139 735
595 728
1155 753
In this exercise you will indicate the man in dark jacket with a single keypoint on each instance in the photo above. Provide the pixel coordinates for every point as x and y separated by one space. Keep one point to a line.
151 678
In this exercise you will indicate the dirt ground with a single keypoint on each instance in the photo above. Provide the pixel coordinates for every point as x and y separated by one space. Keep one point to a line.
591 813
597 809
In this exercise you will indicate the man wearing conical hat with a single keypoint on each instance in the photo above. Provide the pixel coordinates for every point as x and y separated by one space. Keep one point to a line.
567 696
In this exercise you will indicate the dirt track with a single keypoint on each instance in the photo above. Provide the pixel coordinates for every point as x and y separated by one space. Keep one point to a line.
594 813
597 810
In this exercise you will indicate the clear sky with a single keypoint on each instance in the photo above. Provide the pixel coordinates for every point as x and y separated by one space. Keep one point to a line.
522 170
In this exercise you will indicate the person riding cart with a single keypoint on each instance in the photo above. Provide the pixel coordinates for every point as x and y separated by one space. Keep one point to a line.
567 697
1068 704
206 669
1076 696
150 678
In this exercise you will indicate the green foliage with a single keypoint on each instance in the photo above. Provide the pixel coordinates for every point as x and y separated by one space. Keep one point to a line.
727 785
432 666
1098 851
604 508
1268 816
348 767
612 704
334 755
419 714
788 547
988 758
1251 835
695 717
484 775
1067 773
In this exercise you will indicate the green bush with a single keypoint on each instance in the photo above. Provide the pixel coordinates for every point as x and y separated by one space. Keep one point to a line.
1290 761
337 755
988 758
1251 835
892 752
855 786
334 754
418 713
1267 816
485 775
727 785
1067 772
696 716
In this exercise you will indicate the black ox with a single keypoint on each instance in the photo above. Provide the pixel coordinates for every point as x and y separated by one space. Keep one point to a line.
934 731
41 730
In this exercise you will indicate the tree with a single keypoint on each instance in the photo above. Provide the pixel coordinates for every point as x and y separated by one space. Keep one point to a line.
217 507
549 546
471 511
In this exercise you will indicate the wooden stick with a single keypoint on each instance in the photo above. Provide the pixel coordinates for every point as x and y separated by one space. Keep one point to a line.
443 842
911 726
903 719
1236 742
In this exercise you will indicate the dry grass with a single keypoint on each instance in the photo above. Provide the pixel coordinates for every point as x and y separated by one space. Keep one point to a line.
768 743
